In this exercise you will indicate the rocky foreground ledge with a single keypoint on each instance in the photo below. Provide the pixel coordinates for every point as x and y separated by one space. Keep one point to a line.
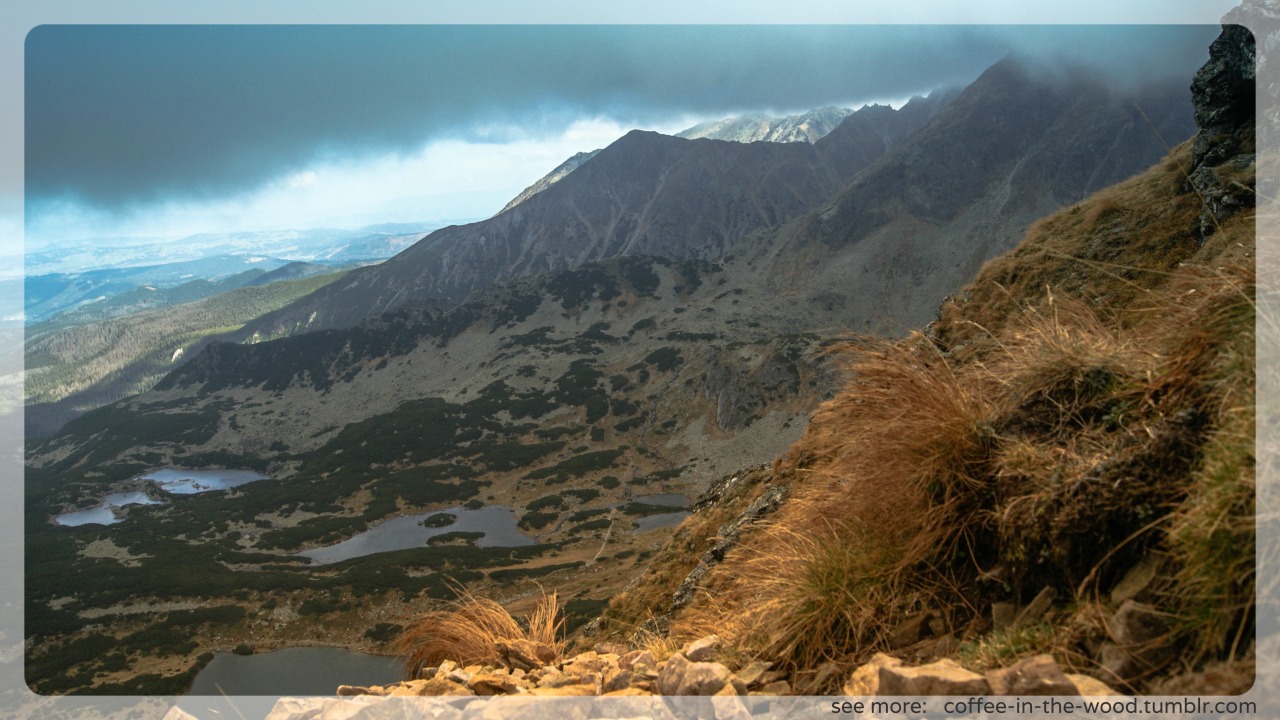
531 670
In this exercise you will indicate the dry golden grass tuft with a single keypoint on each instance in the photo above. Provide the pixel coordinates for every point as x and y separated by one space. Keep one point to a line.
887 488
468 630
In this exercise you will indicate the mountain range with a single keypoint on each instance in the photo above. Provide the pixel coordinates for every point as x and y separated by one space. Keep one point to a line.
658 317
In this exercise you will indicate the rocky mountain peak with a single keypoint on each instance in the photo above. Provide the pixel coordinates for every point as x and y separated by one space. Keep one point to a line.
1222 93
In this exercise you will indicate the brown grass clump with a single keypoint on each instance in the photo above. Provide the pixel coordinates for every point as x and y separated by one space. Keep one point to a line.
888 492
1062 368
468 630
1212 534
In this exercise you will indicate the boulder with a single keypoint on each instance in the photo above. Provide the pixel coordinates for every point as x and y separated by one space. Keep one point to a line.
524 654
753 673
523 706
350 690
577 690
943 677
1089 687
703 649
1036 609
679 676
1134 582
1138 632
865 680
493 684
1002 615
777 687
910 631
1038 675
621 680
629 660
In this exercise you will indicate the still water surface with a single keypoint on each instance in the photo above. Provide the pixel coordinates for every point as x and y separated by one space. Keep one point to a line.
653 522
188 482
294 671
497 522
176 481
104 513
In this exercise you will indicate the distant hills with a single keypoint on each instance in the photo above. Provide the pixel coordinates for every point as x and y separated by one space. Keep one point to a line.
83 275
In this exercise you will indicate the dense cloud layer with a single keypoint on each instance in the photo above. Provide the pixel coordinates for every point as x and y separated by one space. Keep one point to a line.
121 116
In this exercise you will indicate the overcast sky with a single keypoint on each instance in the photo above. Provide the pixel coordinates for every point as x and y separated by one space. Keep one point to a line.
171 130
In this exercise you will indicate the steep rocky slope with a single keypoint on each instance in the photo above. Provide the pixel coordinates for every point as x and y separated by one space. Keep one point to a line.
1063 463
988 161
559 173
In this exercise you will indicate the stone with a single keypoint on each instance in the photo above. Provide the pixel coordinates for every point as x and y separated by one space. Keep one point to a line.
777 687
629 660
909 631
627 692
703 649
728 706
753 673
432 687
176 713
609 649
445 668
822 679
679 676
525 655
1135 623
522 706
865 681
943 677
1089 687
352 690
493 684
944 645
1038 675
1134 582
459 676
589 662
545 675
1002 616
1037 607
1137 631
566 679
409 688
577 690
617 681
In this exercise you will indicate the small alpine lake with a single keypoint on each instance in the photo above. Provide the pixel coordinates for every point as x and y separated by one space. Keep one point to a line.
497 522
172 481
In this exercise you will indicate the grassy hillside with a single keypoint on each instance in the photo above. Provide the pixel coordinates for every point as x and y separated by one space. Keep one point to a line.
75 368
1079 420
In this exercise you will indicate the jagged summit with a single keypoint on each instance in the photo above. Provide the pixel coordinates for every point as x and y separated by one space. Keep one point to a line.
550 178
806 127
